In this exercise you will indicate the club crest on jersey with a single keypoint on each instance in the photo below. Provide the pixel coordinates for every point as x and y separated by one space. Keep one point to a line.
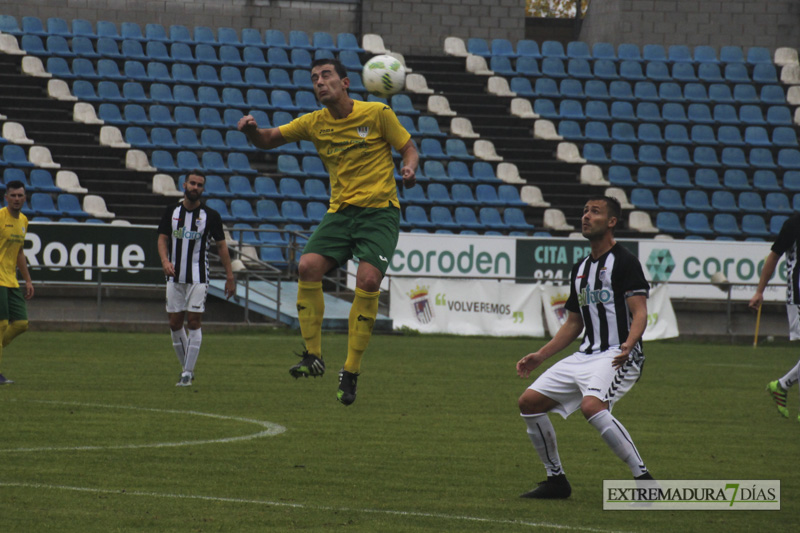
363 131
602 273
594 297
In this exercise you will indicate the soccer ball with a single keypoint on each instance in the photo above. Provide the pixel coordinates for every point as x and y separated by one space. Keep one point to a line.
383 76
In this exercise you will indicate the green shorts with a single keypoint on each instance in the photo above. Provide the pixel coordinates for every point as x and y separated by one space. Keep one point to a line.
368 233
12 304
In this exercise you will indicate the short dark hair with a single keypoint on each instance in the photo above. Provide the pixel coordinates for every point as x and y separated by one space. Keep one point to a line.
195 172
15 184
614 209
337 65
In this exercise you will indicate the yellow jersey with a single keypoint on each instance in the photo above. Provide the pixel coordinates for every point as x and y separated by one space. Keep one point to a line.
356 151
12 238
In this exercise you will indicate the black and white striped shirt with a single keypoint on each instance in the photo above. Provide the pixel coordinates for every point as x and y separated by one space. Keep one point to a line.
190 233
599 289
788 242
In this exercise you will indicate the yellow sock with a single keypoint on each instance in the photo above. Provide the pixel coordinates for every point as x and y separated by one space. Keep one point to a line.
310 308
362 318
3 328
16 328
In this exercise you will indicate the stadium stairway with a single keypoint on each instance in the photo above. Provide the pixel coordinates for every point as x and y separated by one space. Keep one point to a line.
75 146
512 136
263 296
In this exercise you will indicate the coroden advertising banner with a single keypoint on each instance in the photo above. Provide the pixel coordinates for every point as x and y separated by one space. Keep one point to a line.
466 307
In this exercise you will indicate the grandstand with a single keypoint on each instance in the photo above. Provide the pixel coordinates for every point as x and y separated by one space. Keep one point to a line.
103 117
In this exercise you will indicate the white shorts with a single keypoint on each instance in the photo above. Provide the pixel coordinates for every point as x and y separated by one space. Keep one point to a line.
186 297
793 312
580 374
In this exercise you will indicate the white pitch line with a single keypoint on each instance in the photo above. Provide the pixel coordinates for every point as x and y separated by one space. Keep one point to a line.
413 514
271 430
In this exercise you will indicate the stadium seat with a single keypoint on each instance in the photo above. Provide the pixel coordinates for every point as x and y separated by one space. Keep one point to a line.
594 131
70 206
762 158
514 218
670 200
441 218
766 180
678 178
649 177
605 69
705 156
620 176
778 202
725 224
528 48
697 224
650 133
643 199
736 180
676 134
776 223
465 218
668 222
789 158
750 202
724 201
697 200
623 154
651 155
42 204
730 136
707 178
417 217
491 219
602 50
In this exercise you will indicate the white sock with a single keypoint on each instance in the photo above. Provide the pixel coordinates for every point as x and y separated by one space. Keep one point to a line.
791 377
618 439
543 436
195 340
179 343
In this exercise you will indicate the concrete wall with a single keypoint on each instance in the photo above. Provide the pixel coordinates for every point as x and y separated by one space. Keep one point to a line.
409 27
771 24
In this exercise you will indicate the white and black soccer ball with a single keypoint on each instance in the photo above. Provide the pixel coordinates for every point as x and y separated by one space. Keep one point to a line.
383 76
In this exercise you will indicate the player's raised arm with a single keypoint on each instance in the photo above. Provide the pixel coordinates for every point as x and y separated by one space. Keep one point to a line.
264 138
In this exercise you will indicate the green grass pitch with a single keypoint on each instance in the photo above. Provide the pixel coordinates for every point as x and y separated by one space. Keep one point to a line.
95 437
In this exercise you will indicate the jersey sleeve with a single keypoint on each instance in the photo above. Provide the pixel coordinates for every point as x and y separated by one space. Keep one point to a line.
787 236
394 132
165 226
215 227
298 129
630 278
572 301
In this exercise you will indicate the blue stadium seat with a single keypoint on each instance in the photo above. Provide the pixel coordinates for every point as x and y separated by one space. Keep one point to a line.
765 74
649 134
736 73
778 202
750 202
675 113
161 116
778 115
595 153
417 217
545 108
70 206
267 211
683 72
753 225
710 73
620 176
676 134
490 218
293 212
648 112
789 158
291 189
486 195
697 200
606 69
414 195
461 194
679 54
348 41
668 222
707 178
478 47
772 95
745 93
596 110
776 223
553 67
162 138
108 48
187 161
670 200
623 154
766 180
703 134
696 93
643 199
596 131
725 114
242 210
725 224
724 201
623 111
579 69
762 158
429 127
705 54
651 155
697 224
299 39
736 179
543 88
649 177
459 171
528 48
9 24
441 218
324 40
316 190
216 187
553 49
678 178
514 218
570 109
240 187
631 71
756 136
657 71
730 136
237 141
571 130
705 156
438 194
569 88
211 139
670 92
596 90
604 50
465 218
528 66
33 26
42 204
578 50
313 167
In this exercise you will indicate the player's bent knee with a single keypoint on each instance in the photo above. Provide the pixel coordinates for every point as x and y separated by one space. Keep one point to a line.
591 405
531 403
